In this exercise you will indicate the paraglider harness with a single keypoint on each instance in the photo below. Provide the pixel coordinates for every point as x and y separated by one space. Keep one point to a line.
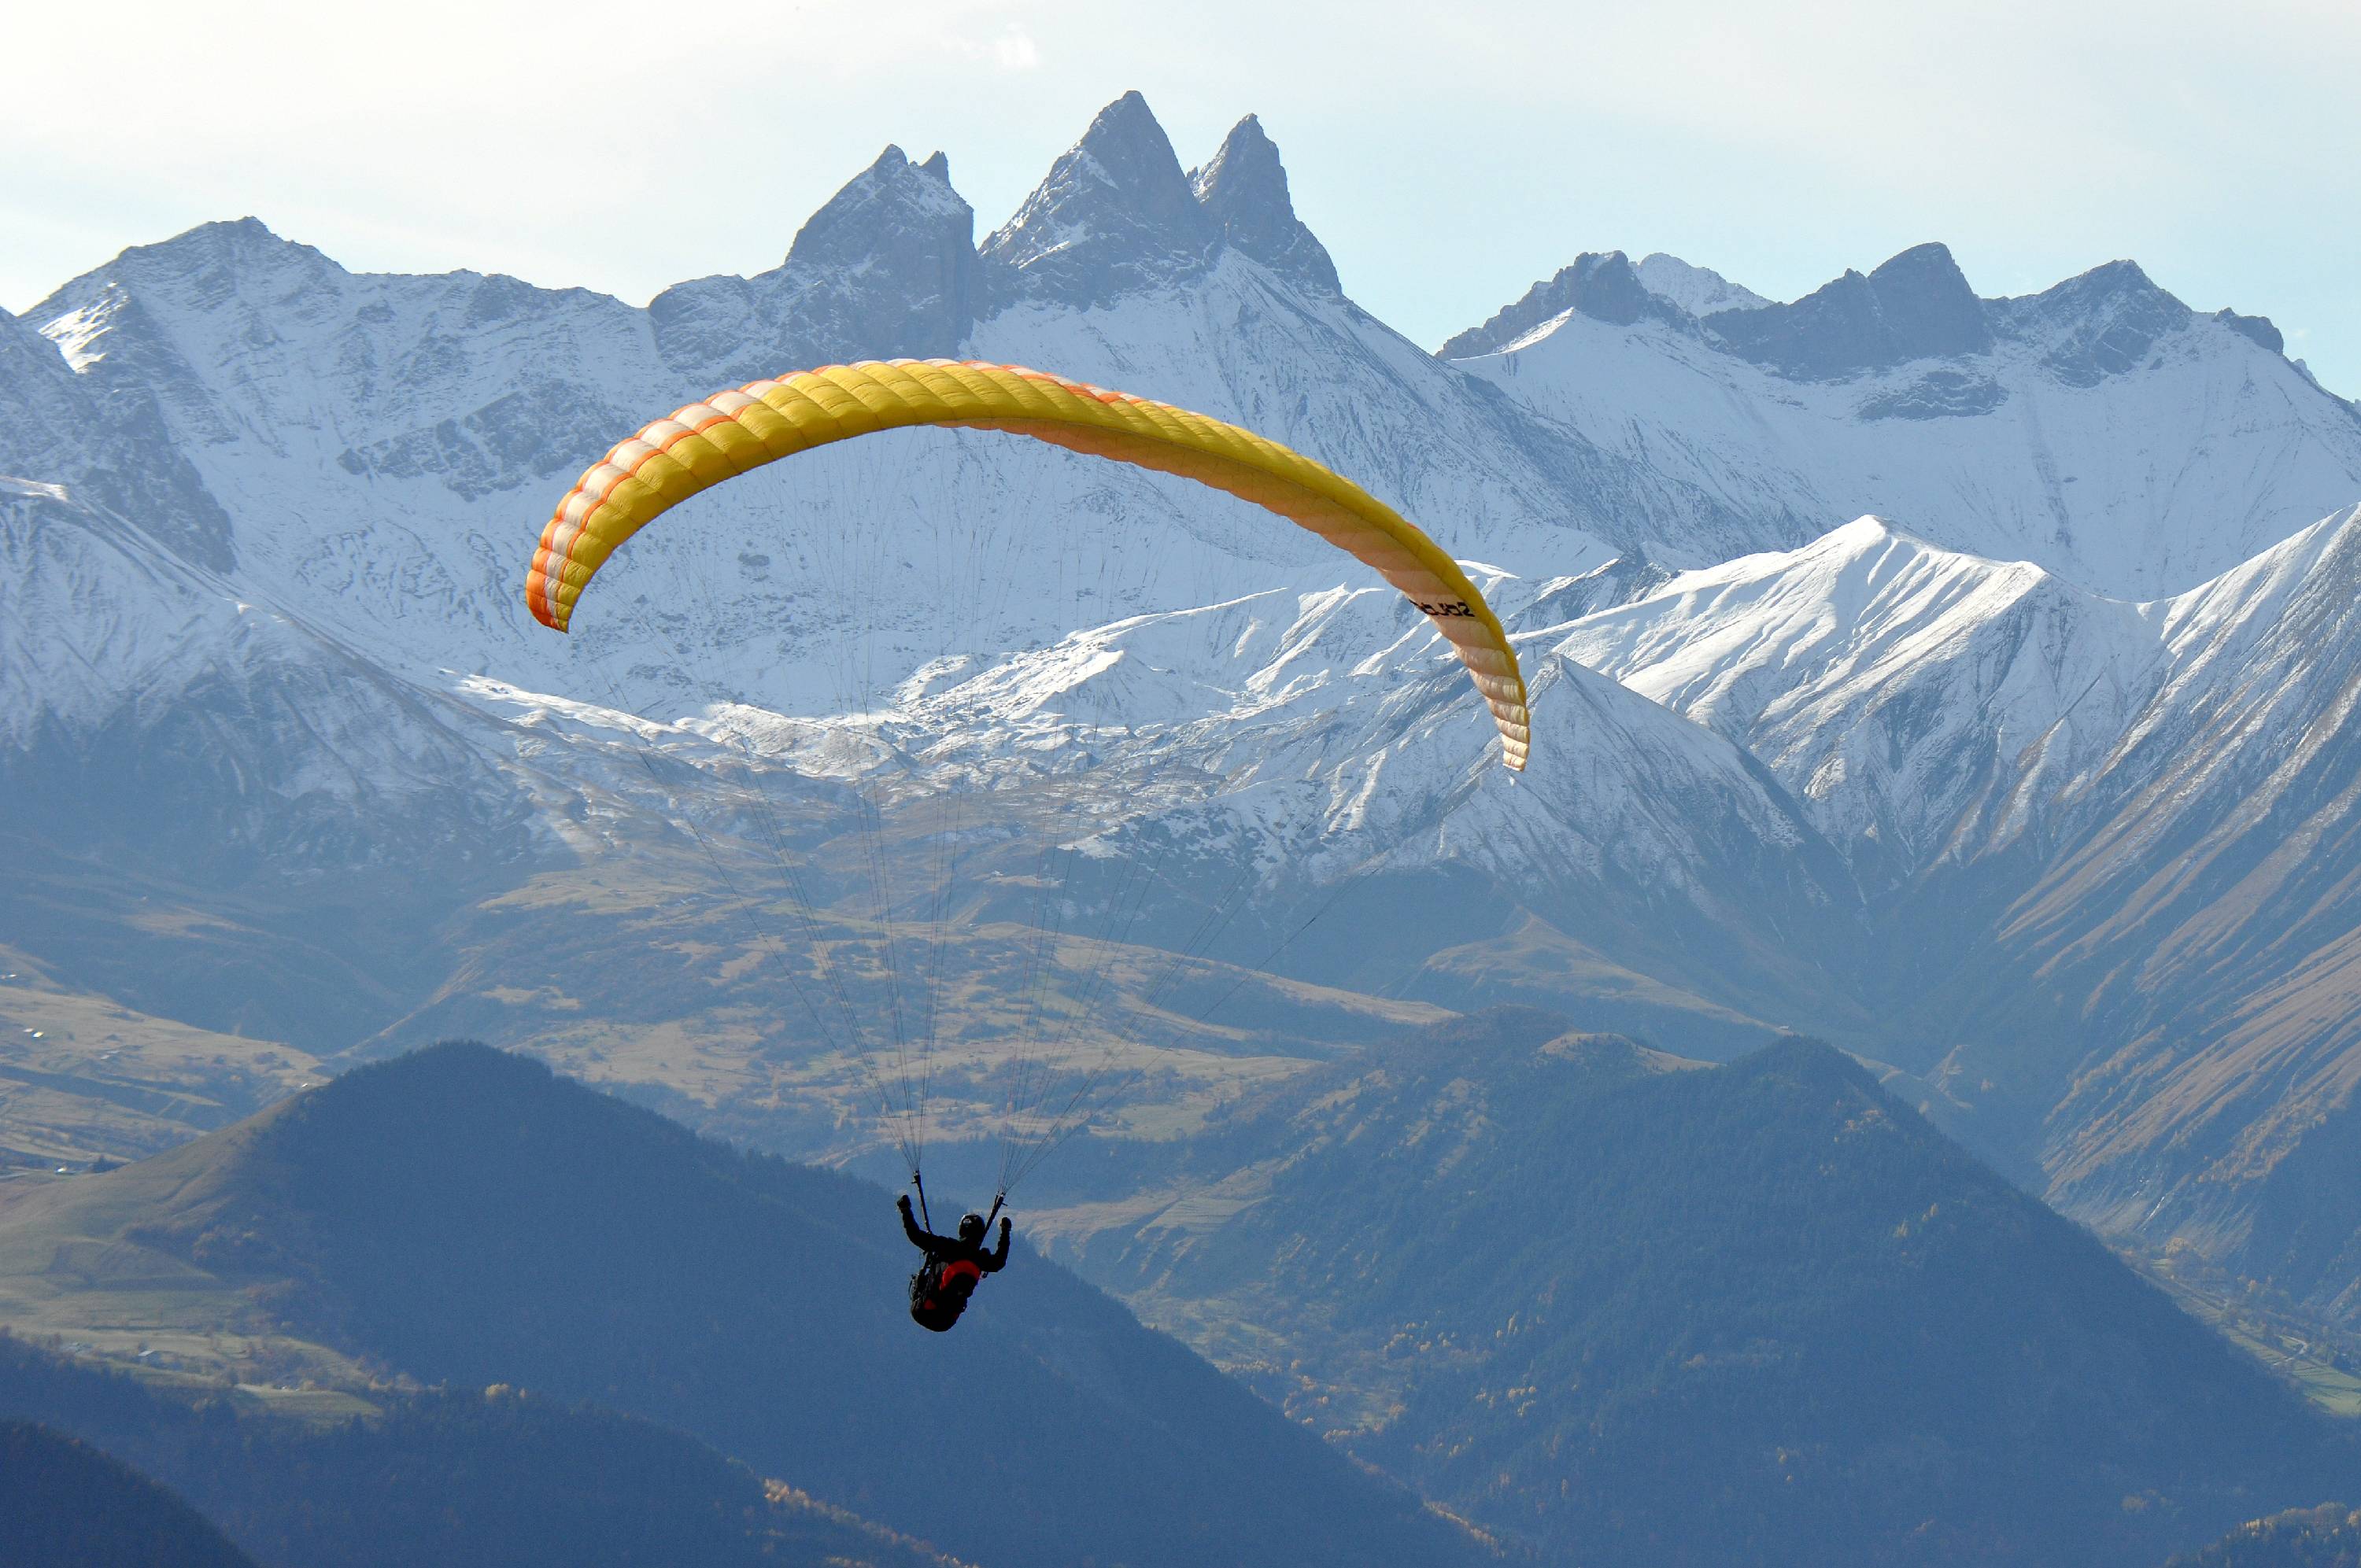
939 1290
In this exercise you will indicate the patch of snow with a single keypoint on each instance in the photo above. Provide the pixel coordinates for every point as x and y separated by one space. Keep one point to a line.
1696 289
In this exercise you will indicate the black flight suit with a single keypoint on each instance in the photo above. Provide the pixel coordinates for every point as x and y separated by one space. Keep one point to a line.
954 1266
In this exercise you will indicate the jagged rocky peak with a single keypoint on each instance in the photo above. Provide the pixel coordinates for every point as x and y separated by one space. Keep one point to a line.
73 411
246 239
2111 285
891 201
203 268
909 240
2105 323
887 269
1115 215
130 326
1928 305
32 364
44 415
1244 193
2260 331
1603 285
1917 306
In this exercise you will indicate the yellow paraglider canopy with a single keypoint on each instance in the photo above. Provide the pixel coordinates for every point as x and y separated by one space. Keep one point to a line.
730 432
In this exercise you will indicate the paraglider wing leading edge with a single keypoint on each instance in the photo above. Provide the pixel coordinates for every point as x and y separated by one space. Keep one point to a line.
733 431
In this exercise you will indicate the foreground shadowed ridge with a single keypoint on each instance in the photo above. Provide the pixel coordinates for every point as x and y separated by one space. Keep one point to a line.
64 1504
465 1216
1639 1307
500 1477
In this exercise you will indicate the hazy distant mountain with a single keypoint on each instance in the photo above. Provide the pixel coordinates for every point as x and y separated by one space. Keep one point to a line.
1636 1309
465 1217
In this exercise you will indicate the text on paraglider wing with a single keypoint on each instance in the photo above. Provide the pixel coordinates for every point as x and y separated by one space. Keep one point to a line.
1444 611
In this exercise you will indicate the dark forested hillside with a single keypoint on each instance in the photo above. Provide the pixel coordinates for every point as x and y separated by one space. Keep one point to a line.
65 1504
1642 1310
466 1217
490 1479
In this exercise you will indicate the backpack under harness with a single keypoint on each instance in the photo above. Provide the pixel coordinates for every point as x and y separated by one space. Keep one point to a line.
938 1292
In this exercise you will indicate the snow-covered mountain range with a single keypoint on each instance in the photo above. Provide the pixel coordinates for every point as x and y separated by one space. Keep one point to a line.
1962 678
2101 429
2134 814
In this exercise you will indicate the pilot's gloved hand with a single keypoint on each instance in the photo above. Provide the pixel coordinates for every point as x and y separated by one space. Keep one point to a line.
903 1203
1003 1227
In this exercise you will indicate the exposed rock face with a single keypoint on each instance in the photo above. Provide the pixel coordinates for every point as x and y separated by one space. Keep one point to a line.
2256 330
1115 216
102 435
1603 287
886 269
2105 323
2057 428
1244 191
1916 306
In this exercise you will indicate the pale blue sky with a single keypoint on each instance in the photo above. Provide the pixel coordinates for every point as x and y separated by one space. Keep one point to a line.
1449 154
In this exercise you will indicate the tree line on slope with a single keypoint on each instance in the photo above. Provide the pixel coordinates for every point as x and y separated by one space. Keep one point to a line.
1760 1314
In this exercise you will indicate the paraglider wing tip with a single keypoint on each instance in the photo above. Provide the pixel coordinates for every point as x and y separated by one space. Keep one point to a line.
537 599
1516 726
